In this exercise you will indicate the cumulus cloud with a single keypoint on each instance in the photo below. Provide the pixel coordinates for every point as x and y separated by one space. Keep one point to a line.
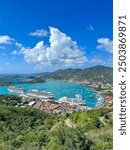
14 52
62 52
90 28
5 39
105 44
39 33
19 45
19 49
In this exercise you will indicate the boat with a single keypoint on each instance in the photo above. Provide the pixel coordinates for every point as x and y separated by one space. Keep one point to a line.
72 101
100 101
40 94
16 89
90 96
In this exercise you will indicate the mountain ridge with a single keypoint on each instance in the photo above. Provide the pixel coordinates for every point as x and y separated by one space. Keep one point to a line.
92 74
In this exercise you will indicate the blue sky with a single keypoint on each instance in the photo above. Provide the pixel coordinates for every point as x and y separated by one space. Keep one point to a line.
45 35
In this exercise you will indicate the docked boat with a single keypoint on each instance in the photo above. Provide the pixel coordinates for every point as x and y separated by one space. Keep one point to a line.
16 89
40 94
72 101
100 101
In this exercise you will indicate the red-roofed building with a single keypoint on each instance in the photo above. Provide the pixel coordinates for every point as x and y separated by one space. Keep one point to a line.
109 99
56 106
47 104
38 105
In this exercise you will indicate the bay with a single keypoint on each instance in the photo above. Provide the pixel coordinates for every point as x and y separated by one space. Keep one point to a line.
59 89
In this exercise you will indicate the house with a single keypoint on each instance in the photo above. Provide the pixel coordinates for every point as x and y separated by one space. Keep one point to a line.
38 105
56 106
47 104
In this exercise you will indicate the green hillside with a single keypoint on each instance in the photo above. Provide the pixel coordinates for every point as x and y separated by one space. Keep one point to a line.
94 74
30 129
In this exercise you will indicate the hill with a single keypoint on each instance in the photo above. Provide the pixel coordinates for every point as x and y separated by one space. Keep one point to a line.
31 129
99 73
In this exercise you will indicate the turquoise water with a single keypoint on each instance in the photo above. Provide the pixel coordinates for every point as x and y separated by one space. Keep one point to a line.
59 89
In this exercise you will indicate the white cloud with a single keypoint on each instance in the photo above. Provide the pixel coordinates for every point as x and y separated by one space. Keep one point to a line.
5 39
105 44
19 49
62 52
90 28
14 52
39 33
19 45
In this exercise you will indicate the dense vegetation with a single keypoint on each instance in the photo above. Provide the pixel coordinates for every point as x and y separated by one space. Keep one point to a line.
30 129
11 99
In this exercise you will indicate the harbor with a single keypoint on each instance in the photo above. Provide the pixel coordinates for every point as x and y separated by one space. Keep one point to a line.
46 101
77 99
57 89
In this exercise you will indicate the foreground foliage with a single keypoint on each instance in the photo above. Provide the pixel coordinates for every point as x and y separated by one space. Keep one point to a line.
30 129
